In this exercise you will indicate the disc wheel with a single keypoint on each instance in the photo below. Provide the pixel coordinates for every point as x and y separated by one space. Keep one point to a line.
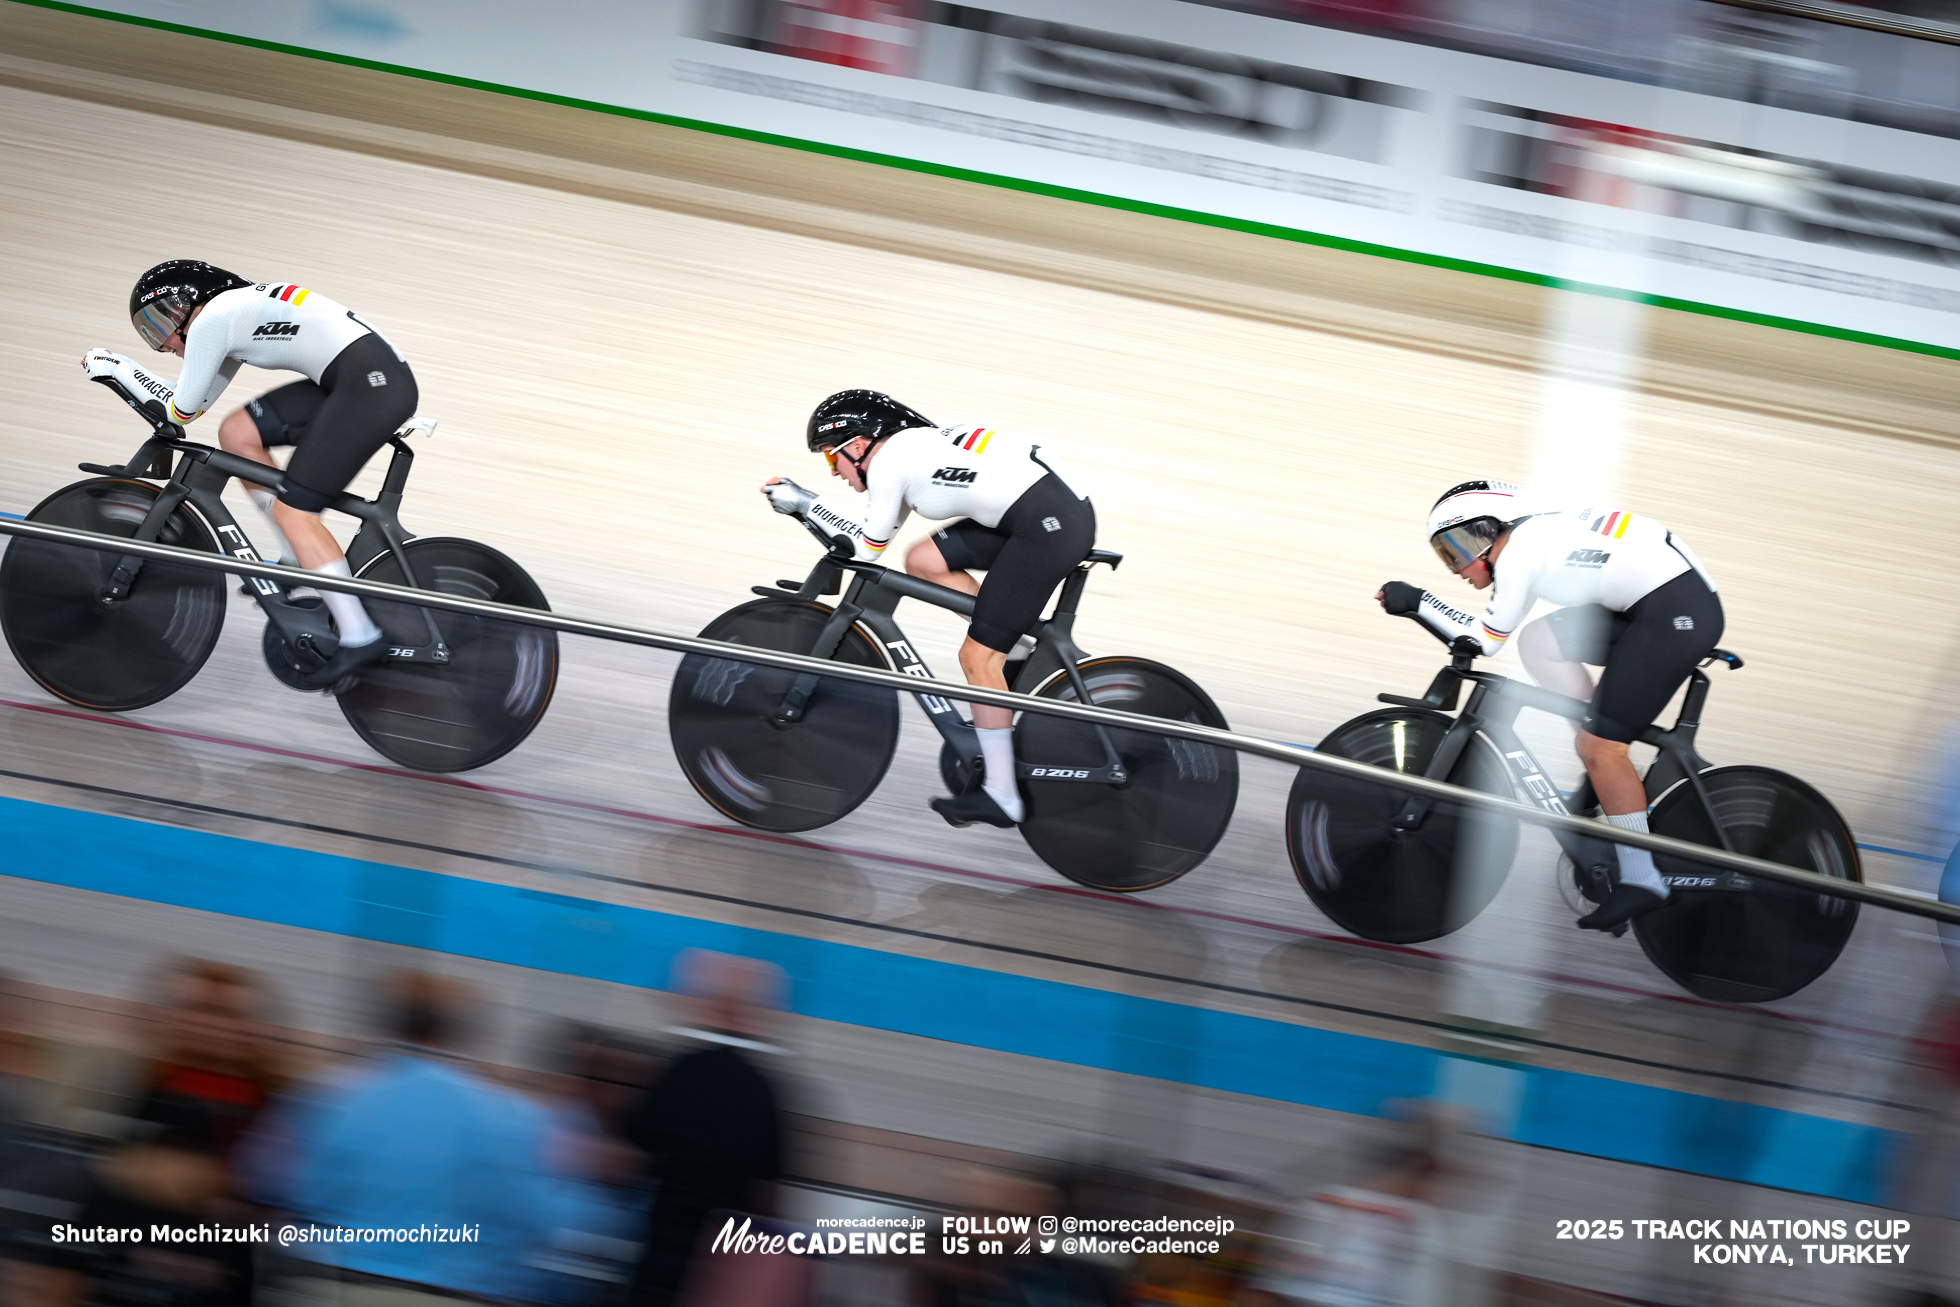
1399 887
780 778
1169 815
1754 945
478 706
119 656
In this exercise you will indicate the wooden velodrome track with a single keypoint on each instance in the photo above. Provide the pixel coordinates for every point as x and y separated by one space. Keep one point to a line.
622 326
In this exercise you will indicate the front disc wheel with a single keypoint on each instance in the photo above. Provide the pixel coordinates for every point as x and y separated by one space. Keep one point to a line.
124 654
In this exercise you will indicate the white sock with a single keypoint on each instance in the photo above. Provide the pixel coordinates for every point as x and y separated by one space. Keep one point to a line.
349 617
282 550
997 747
1637 865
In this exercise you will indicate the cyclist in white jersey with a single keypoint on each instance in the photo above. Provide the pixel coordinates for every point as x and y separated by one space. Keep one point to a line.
1023 522
357 394
1634 601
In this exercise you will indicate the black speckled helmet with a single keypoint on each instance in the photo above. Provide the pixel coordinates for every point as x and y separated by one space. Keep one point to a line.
167 294
852 413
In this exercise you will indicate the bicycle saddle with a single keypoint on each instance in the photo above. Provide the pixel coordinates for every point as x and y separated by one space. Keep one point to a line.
1109 556
1723 656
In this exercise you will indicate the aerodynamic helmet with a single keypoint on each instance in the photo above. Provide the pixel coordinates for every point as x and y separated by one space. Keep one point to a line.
852 413
167 295
1469 518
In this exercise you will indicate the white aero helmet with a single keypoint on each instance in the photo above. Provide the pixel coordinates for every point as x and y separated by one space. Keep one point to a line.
1467 520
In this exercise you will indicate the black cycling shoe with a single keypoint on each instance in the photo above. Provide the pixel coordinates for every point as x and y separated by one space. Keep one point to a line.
347 661
1621 908
975 805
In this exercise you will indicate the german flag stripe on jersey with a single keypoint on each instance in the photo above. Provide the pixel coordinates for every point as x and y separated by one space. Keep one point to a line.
977 441
876 546
289 294
1496 636
1614 524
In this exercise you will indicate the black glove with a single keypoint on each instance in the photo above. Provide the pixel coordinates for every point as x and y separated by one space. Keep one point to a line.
1400 599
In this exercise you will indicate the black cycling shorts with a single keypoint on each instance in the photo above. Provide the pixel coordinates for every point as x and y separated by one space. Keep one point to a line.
337 424
1041 537
1647 651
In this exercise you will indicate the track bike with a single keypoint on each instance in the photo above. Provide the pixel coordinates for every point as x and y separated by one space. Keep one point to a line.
1107 807
1400 868
118 632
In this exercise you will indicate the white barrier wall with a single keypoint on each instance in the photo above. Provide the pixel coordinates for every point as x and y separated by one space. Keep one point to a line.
1409 150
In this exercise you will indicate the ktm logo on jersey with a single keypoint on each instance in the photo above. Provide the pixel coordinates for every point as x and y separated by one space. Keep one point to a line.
957 476
277 329
1589 557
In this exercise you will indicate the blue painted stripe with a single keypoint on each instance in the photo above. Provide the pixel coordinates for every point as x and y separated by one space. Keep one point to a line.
1904 853
1072 1024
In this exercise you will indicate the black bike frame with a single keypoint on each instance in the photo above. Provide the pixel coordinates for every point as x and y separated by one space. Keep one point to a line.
1493 708
199 478
871 600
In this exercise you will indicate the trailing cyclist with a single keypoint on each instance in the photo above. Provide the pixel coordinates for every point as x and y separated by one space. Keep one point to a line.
1634 601
358 391
1022 522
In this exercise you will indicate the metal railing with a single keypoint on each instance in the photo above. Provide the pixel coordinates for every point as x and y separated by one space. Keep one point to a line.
1871 20
898 681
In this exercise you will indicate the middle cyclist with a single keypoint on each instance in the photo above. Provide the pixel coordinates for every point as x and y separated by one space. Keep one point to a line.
1024 523
1635 602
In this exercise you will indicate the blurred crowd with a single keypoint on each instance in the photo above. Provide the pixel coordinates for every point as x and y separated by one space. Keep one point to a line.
600 1175
597 1176
583 1182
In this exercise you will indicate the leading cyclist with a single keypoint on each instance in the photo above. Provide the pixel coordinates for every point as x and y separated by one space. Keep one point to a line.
357 393
1634 602
1023 522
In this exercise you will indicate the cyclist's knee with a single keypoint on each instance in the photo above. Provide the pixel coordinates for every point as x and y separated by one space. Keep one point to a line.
924 560
977 661
1595 750
239 434
1538 648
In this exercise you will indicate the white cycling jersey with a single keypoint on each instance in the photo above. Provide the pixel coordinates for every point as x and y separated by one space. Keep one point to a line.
1591 556
960 470
271 325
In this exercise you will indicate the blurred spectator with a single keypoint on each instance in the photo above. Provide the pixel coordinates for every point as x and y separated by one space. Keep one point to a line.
1375 1243
15 1059
210 1053
600 1208
169 1174
415 1138
973 1280
712 1124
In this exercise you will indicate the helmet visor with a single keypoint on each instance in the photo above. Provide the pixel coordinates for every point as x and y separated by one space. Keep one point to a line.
1463 544
160 319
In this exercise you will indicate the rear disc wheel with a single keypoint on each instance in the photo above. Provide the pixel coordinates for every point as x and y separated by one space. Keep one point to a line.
780 778
1767 941
493 691
1169 815
1399 887
127 654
